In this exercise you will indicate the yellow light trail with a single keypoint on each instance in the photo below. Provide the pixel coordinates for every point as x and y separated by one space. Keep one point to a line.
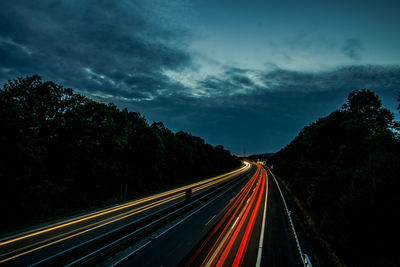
112 219
113 209
68 237
203 184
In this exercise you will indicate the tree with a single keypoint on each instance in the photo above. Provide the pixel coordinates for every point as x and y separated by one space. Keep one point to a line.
366 105
344 169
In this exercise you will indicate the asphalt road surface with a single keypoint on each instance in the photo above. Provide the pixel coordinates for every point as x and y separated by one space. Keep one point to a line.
280 248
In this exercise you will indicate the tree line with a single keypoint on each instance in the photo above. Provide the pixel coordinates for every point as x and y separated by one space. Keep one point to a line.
345 169
62 152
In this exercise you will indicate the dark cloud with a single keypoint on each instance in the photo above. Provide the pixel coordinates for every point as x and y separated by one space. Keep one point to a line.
243 82
352 48
266 117
369 76
232 81
97 46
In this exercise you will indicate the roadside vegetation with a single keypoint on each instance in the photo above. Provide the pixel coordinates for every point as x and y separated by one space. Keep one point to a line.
62 152
344 170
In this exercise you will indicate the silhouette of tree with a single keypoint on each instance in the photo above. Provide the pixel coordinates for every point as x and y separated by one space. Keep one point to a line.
344 169
62 152
367 105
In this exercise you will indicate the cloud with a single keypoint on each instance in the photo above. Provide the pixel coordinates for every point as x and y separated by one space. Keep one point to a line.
266 113
352 48
360 76
99 47
232 81
249 81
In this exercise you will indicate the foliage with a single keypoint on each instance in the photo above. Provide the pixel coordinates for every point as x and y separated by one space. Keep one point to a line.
345 169
63 152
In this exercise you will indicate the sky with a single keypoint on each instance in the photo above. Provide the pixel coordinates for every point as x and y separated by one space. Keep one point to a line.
248 75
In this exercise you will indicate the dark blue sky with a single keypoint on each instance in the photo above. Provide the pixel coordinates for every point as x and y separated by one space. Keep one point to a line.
245 74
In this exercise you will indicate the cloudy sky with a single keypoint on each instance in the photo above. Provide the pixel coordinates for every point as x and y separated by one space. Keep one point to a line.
245 74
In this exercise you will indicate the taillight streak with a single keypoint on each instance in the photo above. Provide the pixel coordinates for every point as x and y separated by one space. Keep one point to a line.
236 200
237 222
250 226
233 238
216 249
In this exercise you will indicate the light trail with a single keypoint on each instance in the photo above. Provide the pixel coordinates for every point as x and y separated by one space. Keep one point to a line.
113 209
215 250
226 235
233 238
227 215
261 242
228 242
114 218
84 228
249 229
79 233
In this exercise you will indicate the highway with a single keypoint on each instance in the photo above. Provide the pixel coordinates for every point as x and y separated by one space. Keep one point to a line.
41 245
246 225
235 219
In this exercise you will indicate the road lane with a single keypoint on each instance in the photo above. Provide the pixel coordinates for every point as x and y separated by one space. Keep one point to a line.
34 245
279 247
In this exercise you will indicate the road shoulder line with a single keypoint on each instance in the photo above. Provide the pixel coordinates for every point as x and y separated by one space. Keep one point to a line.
260 244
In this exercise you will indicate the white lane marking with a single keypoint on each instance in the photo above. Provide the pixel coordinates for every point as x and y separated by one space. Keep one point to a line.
131 253
260 244
210 220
